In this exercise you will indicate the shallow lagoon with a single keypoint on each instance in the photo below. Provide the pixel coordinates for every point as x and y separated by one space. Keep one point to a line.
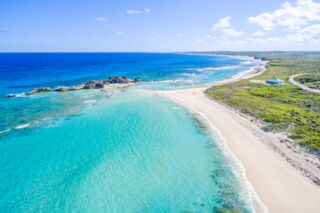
111 152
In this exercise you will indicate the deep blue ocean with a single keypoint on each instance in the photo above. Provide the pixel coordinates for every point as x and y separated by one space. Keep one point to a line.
117 150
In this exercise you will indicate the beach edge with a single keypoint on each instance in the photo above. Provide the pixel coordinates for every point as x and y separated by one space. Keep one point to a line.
193 97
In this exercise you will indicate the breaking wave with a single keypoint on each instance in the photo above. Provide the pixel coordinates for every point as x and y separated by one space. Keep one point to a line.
22 126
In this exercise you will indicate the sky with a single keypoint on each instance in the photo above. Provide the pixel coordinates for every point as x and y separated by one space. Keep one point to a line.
158 25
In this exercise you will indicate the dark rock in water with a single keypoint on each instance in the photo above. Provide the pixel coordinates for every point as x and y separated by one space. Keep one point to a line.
137 79
38 90
10 96
96 84
64 89
35 90
99 84
118 80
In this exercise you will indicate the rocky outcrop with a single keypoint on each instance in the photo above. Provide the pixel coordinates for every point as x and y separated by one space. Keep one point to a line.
10 96
64 89
118 80
96 84
38 90
137 79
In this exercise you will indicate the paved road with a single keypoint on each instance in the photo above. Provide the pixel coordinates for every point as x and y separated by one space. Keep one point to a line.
291 79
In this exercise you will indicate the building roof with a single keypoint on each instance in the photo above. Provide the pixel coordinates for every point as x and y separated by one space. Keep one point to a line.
274 80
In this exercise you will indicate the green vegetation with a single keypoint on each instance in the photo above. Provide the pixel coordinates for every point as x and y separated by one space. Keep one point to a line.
287 108
312 81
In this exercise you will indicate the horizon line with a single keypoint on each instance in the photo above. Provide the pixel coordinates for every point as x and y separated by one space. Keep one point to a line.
198 51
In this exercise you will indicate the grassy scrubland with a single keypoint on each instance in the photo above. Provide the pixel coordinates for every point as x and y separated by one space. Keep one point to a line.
287 108
312 81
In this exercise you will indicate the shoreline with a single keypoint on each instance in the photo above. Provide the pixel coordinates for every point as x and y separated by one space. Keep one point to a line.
280 181
237 168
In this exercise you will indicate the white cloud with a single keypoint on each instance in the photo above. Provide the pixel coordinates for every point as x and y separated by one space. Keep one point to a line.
152 39
179 35
297 26
307 38
120 33
269 41
232 32
130 12
258 33
224 26
313 31
100 19
308 34
222 23
265 20
208 36
290 16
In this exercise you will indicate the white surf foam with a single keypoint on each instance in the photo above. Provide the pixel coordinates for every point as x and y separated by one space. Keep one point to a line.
205 69
7 130
19 95
60 86
89 101
248 62
188 74
22 126
171 81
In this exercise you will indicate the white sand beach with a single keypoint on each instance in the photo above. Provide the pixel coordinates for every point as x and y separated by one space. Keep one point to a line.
281 187
277 174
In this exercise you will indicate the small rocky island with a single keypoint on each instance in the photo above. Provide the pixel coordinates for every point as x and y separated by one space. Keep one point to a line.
96 84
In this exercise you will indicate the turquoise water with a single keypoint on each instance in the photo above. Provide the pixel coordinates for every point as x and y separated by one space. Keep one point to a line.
21 72
112 151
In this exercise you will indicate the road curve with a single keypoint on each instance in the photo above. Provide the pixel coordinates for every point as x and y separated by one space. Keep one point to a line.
291 79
